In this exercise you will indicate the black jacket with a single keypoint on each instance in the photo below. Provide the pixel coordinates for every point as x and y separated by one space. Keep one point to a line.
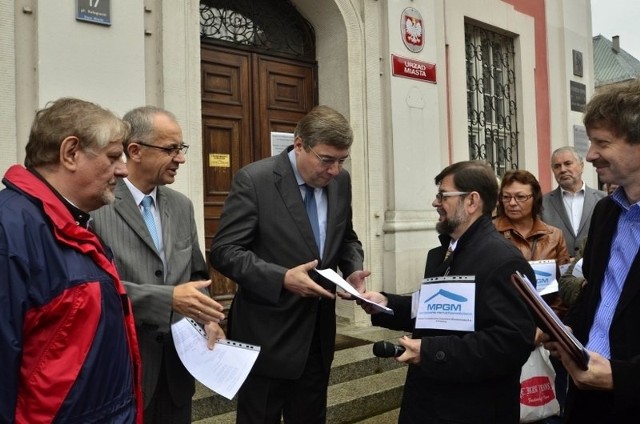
470 377
622 405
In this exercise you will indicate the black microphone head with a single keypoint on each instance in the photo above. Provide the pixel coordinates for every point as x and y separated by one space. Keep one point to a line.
384 349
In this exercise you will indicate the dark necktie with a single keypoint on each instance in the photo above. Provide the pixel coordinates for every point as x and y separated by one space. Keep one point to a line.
312 212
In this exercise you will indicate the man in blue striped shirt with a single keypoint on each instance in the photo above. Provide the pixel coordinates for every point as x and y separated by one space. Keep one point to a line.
606 317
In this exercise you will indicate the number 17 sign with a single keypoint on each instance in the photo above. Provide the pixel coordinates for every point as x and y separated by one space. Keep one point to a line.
94 11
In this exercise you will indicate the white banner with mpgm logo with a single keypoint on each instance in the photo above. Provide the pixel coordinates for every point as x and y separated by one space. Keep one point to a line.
446 303
546 279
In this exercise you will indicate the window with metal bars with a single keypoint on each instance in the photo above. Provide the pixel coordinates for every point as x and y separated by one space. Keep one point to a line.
492 109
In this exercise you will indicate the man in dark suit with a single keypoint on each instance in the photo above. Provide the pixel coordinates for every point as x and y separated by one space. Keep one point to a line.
464 375
159 259
570 205
268 244
606 317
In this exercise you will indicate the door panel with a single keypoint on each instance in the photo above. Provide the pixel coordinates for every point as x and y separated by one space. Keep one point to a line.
286 93
245 97
226 115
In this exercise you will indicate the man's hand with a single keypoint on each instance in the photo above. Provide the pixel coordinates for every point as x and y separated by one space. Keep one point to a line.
214 333
411 354
598 376
357 280
189 301
374 297
297 281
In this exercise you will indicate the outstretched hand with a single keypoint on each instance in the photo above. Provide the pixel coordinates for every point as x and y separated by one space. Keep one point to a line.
297 281
357 280
189 301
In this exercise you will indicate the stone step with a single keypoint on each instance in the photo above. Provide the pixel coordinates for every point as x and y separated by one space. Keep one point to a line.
365 397
361 386
370 399
389 417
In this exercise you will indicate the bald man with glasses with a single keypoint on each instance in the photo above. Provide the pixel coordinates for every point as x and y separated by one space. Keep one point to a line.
152 231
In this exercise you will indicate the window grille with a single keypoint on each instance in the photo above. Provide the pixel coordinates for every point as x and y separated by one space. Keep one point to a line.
492 110
269 25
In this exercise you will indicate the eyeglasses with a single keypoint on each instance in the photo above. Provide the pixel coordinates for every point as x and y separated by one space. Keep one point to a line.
441 195
520 198
328 161
171 151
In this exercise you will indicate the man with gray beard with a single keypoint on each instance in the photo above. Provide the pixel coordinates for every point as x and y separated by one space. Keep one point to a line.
469 375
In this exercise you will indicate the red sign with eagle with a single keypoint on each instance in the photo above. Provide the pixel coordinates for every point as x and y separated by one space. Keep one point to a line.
412 29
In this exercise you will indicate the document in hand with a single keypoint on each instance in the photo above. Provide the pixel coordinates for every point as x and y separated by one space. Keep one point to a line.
549 322
334 277
222 369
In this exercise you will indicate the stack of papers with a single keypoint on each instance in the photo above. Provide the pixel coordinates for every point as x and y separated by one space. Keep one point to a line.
222 369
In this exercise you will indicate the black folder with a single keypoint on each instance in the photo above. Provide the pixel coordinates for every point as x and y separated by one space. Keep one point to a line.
549 322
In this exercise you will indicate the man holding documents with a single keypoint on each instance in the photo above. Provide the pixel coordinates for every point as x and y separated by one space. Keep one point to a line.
464 367
286 215
159 259
606 316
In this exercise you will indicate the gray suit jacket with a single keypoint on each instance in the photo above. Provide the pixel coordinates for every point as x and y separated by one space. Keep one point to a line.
554 213
264 231
122 228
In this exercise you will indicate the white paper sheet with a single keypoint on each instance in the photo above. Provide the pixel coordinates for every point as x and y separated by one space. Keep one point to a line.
222 369
334 277
577 270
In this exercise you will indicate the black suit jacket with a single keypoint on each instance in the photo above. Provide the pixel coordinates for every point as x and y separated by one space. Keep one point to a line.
623 403
470 376
264 231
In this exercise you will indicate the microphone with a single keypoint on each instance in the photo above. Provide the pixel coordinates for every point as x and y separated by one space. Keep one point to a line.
386 349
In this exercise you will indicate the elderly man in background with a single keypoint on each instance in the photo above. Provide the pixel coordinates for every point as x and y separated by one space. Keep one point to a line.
570 205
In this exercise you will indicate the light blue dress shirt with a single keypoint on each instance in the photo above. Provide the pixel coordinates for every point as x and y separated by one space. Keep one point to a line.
624 249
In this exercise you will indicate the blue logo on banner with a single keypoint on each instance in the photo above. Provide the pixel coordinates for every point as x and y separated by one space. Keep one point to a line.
543 279
446 306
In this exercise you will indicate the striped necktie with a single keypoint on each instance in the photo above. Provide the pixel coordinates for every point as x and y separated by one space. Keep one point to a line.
448 254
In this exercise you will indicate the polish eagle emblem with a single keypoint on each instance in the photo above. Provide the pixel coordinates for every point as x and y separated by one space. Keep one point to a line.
413 31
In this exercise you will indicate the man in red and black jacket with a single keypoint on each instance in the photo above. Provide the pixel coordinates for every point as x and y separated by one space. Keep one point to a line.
68 346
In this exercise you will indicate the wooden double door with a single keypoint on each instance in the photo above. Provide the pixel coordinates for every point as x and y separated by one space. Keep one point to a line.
246 96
